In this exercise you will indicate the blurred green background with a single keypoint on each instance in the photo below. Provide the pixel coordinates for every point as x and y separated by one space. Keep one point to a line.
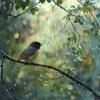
71 42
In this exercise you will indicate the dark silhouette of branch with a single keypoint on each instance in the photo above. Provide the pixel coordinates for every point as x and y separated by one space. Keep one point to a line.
3 82
53 68
1 74
24 11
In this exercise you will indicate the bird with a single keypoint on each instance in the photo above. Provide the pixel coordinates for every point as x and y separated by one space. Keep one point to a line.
30 52
28 55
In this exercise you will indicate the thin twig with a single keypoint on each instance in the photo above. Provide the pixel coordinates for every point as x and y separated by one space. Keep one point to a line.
2 80
9 90
12 5
56 69
63 8
65 24
68 17
89 11
1 74
74 28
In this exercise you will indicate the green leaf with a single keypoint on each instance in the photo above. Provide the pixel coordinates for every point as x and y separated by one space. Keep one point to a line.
48 1
76 9
34 10
79 19
42 1
17 6
73 6
84 9
23 6
59 2
27 1
98 15
87 2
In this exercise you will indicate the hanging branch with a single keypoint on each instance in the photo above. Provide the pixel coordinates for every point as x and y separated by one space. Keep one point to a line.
2 80
74 28
25 10
62 8
89 12
53 68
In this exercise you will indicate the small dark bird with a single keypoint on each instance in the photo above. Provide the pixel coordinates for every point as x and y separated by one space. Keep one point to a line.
28 54
31 52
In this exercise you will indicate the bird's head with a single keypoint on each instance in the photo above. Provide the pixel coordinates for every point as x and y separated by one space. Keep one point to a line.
36 44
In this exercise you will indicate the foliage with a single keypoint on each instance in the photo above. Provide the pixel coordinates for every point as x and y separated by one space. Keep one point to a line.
75 50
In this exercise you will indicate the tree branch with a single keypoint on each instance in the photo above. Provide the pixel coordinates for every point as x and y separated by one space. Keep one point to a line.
24 11
62 8
74 28
1 74
89 12
2 80
53 68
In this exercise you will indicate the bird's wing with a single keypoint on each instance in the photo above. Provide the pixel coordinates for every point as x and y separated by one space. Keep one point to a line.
28 52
